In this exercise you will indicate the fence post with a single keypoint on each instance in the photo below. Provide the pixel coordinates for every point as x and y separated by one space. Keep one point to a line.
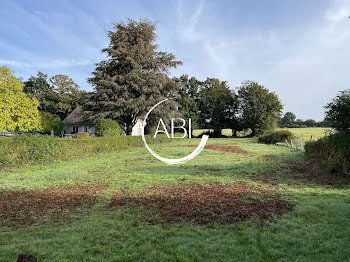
302 142
291 143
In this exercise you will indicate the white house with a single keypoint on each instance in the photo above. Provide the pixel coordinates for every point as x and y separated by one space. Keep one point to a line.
75 123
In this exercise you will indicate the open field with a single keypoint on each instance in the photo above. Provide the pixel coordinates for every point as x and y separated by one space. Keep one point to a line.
315 132
226 132
237 201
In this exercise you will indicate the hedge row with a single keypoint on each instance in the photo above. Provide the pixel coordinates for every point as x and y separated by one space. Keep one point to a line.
40 149
275 136
333 150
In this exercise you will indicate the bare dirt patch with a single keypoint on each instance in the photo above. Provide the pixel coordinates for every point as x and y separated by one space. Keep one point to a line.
202 204
304 173
312 171
28 207
224 148
298 167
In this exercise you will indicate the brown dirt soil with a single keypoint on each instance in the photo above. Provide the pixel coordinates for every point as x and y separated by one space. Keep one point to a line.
305 173
26 258
314 172
28 207
224 148
202 204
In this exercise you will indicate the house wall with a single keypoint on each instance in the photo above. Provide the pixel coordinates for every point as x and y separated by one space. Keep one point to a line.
81 128
137 128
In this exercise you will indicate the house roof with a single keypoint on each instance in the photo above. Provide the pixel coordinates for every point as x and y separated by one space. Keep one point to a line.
77 116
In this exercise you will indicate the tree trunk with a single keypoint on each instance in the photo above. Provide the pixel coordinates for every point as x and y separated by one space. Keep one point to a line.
253 133
217 132
234 133
129 129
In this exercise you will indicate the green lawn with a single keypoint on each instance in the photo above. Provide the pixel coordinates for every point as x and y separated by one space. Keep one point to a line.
317 229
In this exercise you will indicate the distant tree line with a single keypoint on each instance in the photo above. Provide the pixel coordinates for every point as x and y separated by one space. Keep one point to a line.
289 120
212 104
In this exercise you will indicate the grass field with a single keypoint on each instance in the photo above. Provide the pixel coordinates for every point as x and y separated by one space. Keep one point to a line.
273 205
315 132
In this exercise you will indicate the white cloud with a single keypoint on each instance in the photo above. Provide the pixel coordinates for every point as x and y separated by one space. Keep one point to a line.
306 65
338 12
187 24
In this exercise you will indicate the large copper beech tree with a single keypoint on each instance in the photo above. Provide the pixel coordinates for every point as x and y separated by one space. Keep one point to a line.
133 78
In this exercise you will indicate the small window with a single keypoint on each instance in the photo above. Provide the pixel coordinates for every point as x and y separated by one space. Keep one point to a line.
86 129
75 130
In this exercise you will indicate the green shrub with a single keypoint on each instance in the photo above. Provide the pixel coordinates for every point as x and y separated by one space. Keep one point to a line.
47 122
107 127
276 136
341 141
338 112
81 135
58 128
333 150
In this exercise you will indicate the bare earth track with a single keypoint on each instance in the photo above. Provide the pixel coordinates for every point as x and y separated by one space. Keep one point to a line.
204 204
28 207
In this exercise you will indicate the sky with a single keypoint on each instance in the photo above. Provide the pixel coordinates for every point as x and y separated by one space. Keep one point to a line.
296 48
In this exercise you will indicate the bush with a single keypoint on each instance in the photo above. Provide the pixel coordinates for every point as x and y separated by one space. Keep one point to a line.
58 128
276 136
47 122
81 135
323 150
334 150
107 127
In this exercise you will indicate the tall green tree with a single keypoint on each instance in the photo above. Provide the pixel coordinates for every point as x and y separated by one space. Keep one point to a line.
18 111
217 106
133 78
288 119
63 97
310 122
58 96
188 91
260 109
37 86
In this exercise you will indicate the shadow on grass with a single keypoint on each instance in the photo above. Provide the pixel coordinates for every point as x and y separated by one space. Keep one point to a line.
272 171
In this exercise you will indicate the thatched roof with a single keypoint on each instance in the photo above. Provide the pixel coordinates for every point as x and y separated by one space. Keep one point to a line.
77 116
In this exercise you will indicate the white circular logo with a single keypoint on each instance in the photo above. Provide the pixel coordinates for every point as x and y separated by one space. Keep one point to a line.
171 161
